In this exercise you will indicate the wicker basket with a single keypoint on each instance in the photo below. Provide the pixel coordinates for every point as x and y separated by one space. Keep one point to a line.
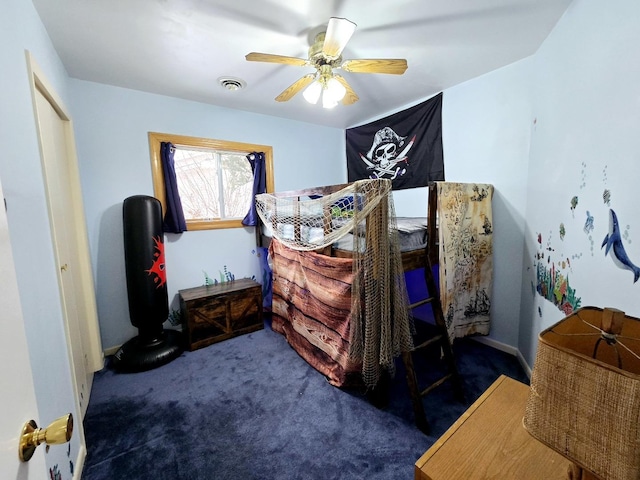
584 400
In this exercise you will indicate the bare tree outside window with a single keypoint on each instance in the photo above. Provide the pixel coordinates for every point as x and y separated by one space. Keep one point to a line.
213 184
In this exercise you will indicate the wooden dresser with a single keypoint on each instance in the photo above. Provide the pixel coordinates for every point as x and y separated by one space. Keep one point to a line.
489 442
217 312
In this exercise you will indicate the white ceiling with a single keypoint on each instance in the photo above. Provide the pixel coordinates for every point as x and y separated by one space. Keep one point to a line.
180 48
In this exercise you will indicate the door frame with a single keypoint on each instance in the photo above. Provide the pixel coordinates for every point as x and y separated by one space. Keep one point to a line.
94 356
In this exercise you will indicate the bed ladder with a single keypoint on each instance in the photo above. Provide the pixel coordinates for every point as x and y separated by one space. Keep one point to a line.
439 337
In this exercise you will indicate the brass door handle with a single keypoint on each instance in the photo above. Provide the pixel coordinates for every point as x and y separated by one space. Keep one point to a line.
58 432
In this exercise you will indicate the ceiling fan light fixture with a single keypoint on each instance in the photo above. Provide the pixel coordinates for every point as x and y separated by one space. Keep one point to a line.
330 89
328 101
325 55
335 89
339 31
312 92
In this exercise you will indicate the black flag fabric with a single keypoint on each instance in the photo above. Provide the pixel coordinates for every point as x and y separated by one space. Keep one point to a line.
405 147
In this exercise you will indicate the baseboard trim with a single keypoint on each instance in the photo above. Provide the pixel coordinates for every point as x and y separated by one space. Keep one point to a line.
111 351
79 466
524 364
503 347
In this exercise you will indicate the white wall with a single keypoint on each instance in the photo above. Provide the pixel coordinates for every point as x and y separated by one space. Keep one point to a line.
586 139
112 126
23 185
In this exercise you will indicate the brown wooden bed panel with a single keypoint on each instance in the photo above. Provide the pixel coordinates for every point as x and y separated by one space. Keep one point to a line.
312 309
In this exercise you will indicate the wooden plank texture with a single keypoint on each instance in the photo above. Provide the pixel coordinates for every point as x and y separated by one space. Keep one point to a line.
489 442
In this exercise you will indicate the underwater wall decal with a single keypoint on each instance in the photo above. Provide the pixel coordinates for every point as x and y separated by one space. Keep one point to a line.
208 280
54 473
588 224
554 286
225 276
613 243
574 204
553 266
552 283
583 175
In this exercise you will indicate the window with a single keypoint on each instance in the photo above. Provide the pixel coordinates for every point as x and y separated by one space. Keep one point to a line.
214 178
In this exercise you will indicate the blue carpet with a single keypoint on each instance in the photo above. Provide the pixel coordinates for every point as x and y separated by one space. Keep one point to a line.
251 408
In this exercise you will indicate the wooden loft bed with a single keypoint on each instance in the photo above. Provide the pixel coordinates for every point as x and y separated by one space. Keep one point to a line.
322 341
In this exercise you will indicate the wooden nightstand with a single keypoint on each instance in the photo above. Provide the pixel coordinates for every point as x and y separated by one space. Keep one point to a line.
489 441
217 312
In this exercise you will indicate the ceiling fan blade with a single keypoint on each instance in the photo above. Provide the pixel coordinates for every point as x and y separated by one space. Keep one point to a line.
350 97
268 57
394 66
339 31
298 85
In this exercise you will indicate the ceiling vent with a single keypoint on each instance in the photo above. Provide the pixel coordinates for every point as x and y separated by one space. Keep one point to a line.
231 83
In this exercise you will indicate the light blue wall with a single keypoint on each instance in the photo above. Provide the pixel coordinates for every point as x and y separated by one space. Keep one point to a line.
23 186
113 149
586 140
485 128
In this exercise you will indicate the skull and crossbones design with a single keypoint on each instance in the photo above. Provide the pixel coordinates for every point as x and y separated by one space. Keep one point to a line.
387 151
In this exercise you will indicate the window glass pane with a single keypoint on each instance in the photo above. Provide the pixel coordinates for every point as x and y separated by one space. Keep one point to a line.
197 177
237 183
213 184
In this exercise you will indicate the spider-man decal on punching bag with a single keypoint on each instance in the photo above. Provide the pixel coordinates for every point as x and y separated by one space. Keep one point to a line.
146 288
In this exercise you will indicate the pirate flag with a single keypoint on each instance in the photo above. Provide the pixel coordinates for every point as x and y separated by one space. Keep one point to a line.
405 147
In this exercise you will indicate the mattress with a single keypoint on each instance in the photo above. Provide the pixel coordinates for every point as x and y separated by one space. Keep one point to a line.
412 232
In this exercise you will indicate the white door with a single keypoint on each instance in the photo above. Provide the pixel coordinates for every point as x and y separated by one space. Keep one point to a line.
18 397
70 242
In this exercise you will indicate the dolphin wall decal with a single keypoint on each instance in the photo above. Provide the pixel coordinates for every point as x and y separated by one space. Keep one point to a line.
613 242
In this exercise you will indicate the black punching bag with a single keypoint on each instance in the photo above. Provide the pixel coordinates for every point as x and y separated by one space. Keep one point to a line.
146 288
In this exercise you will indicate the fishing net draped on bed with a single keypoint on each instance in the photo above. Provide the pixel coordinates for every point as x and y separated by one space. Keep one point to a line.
348 317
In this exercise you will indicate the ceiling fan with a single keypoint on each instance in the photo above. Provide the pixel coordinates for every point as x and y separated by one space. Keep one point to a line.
325 55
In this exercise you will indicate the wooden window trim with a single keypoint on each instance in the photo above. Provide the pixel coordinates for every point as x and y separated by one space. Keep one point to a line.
155 139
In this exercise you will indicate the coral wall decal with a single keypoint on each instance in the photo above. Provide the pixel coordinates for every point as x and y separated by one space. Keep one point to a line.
554 286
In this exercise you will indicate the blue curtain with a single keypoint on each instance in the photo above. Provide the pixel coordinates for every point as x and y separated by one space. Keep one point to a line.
174 216
256 159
